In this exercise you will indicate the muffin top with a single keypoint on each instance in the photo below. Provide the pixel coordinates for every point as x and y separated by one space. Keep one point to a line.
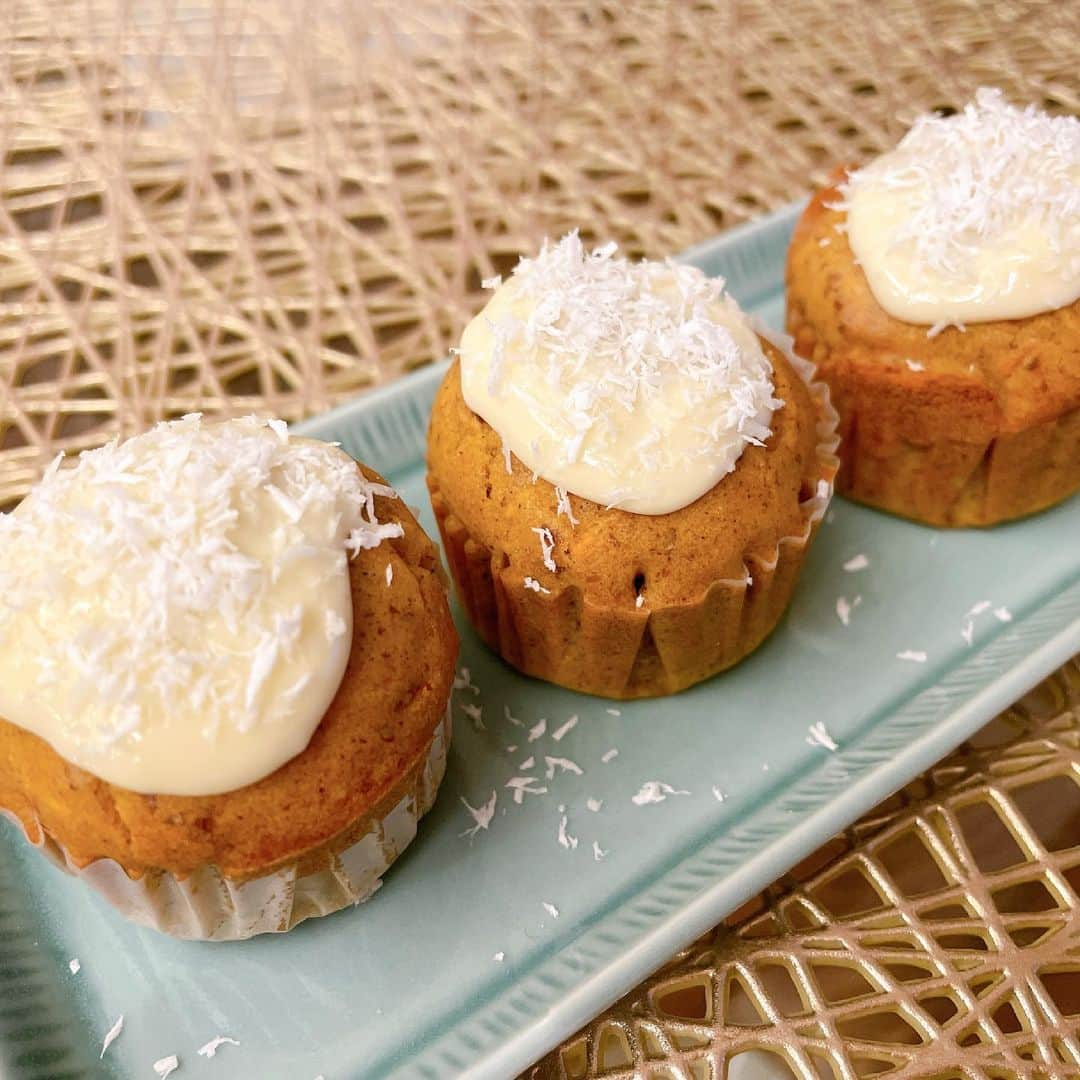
973 217
177 613
633 385
566 548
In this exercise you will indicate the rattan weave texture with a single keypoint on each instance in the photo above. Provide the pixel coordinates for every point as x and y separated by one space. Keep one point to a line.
225 206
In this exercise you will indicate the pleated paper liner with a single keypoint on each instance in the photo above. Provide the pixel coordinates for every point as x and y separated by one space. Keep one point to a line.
208 906
625 653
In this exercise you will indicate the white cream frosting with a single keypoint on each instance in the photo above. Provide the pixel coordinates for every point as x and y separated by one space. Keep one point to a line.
635 385
973 217
175 610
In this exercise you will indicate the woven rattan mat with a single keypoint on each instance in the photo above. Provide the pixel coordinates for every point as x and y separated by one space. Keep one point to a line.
228 206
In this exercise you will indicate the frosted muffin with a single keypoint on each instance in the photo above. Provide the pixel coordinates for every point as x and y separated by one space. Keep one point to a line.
937 291
225 662
626 473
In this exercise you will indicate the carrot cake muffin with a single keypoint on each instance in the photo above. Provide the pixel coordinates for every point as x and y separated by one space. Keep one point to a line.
937 291
626 471
225 661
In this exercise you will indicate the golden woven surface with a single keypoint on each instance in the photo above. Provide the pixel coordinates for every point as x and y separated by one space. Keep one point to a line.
231 206
227 206
940 939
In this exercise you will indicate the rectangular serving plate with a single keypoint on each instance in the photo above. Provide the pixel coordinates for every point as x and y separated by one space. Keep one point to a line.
457 966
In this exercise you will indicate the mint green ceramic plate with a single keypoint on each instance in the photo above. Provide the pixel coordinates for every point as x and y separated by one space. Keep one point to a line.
460 964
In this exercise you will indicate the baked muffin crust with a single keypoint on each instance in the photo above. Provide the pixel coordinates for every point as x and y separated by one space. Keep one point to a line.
377 729
968 427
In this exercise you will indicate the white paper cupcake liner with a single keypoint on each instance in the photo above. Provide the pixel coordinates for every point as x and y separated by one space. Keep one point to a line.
207 906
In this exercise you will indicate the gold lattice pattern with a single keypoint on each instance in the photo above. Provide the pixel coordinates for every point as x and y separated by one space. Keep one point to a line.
943 942
231 206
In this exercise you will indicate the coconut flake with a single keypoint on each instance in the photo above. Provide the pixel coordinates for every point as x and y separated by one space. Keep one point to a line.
1003 614
613 712
967 631
532 583
74 965
598 853
594 804
844 608
499 957
112 1036
655 791
560 731
524 785
565 839
475 713
718 795
609 755
538 729
980 607
551 909
481 815
563 507
547 546
215 1044
166 1066
563 764
463 681
914 365
819 736
856 563
916 656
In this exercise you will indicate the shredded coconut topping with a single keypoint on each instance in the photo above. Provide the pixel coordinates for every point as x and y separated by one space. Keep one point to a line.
608 358
164 589
990 178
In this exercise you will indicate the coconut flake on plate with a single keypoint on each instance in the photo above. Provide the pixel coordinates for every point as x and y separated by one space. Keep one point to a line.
112 1035
655 791
563 764
166 1066
560 731
819 736
481 815
211 1048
